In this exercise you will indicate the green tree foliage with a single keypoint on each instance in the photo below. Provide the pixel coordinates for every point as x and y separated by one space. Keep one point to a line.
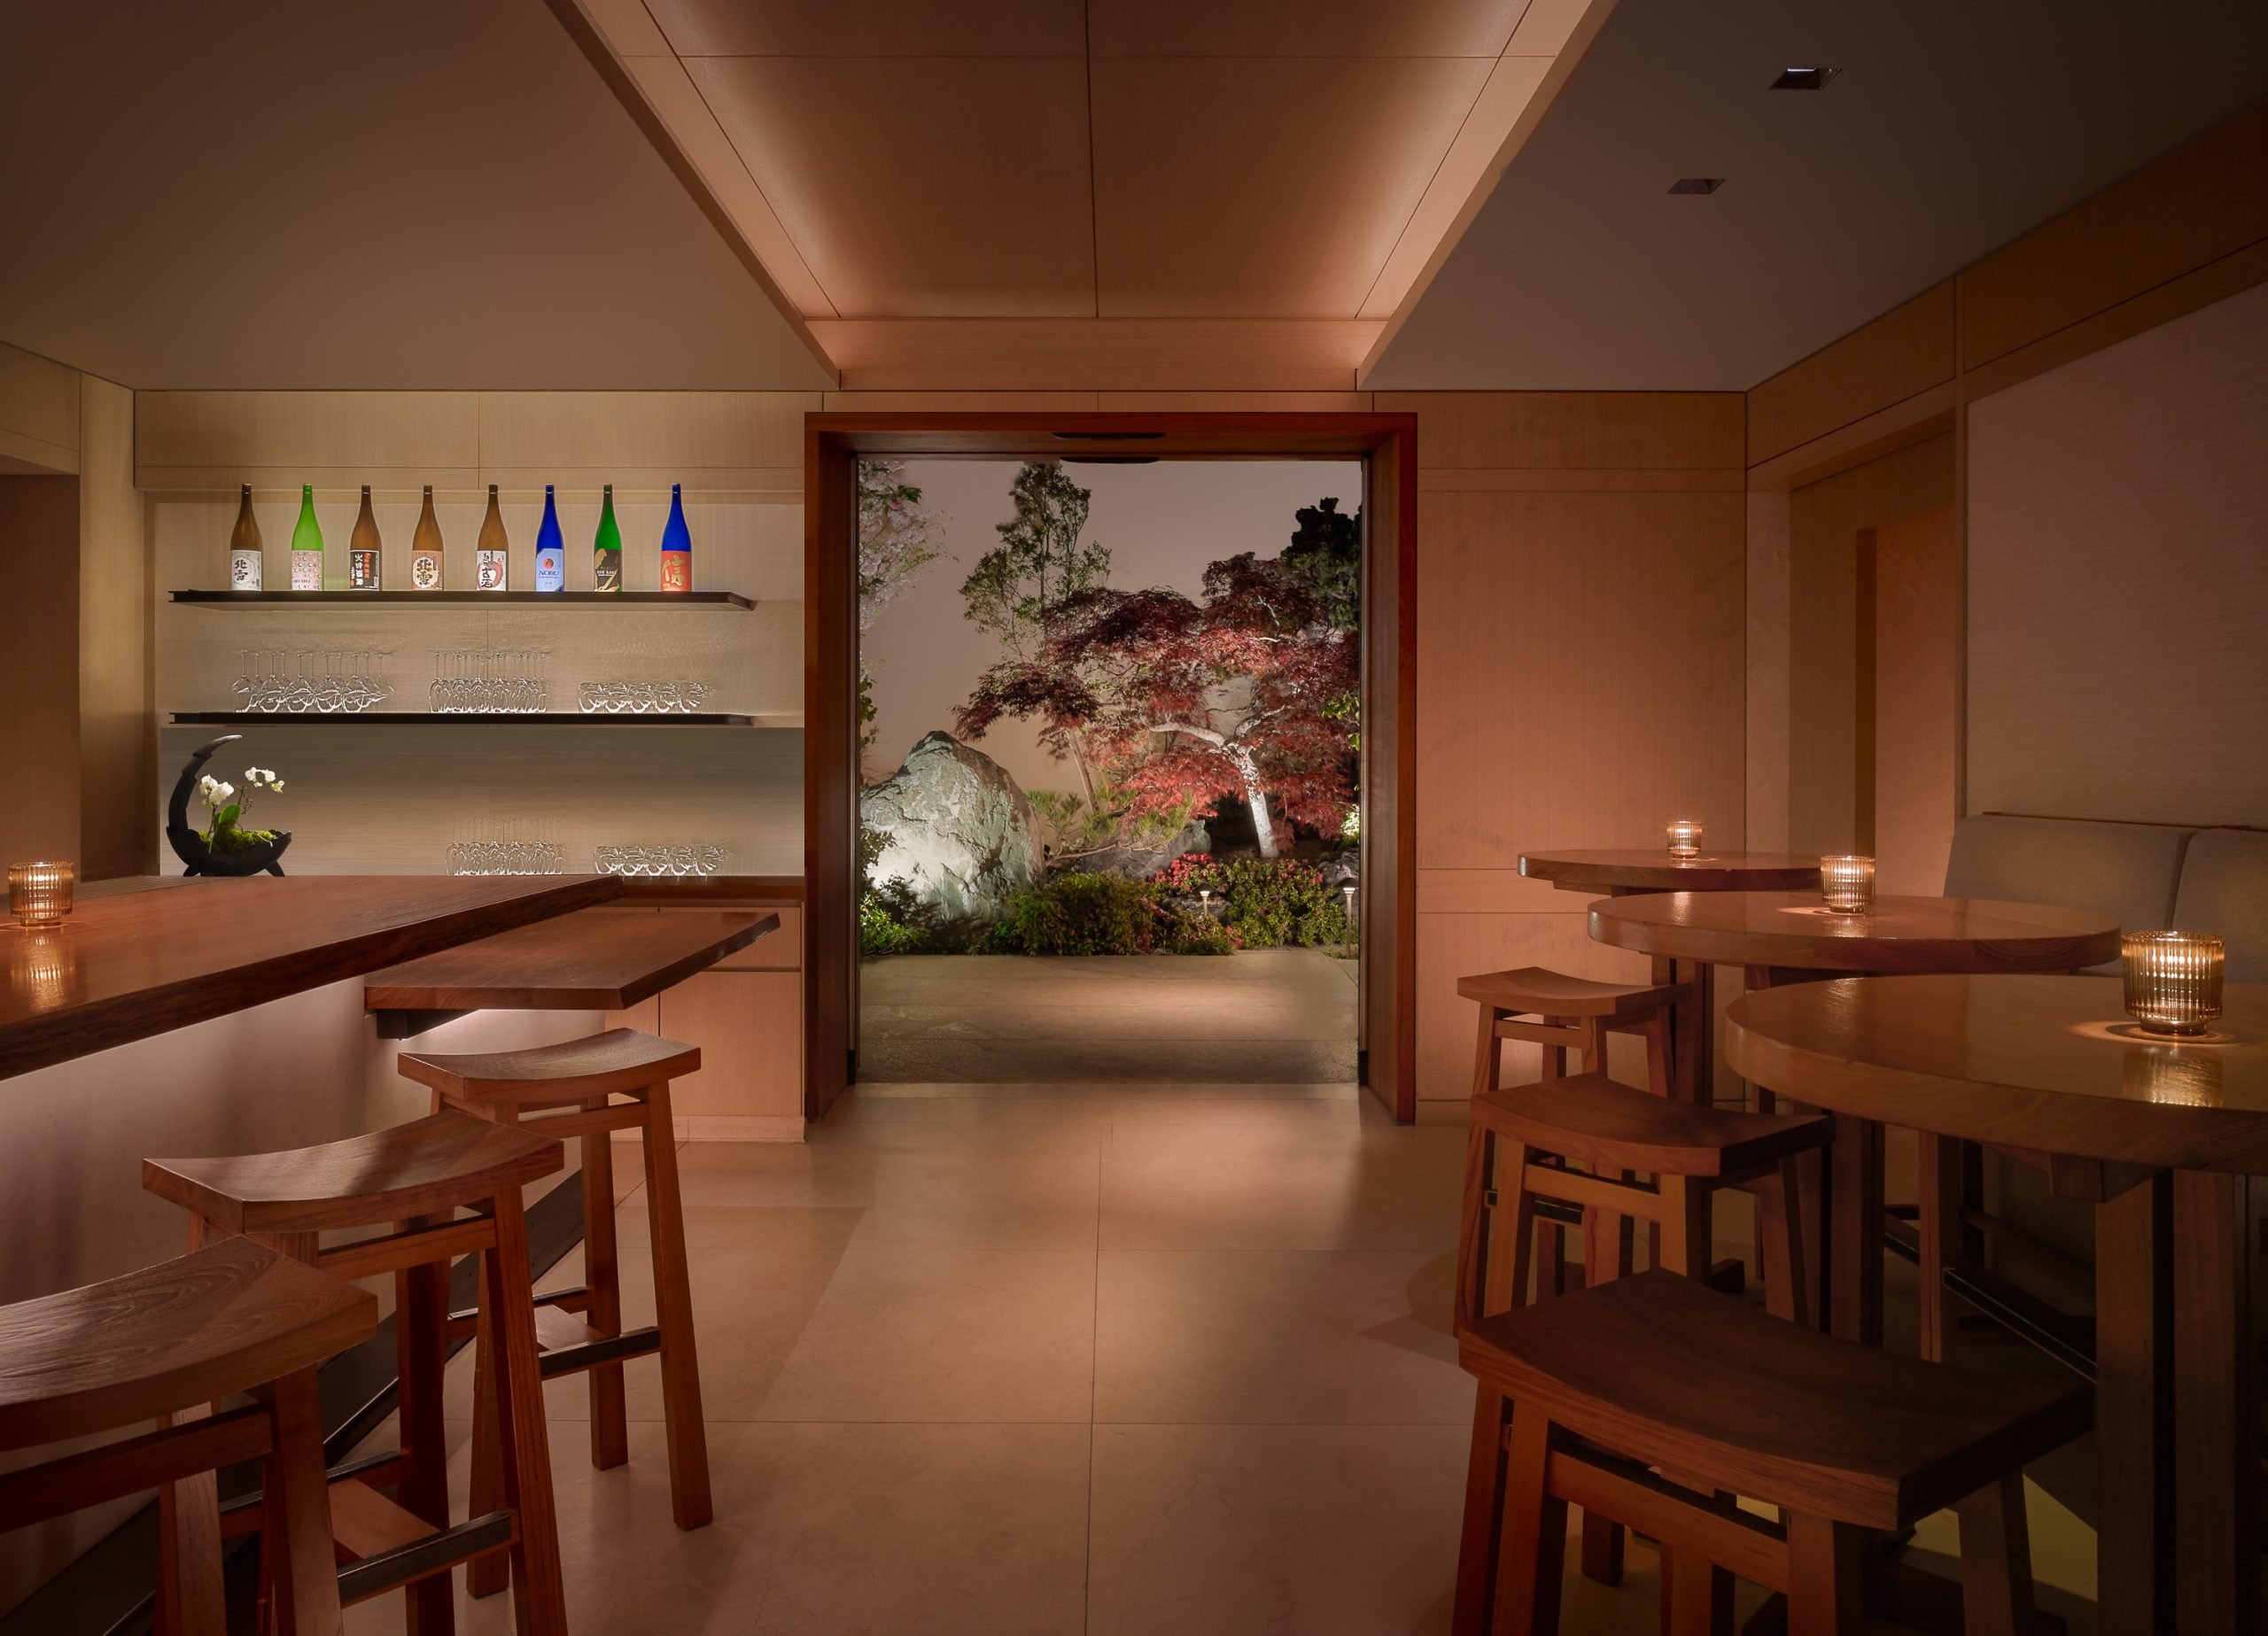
896 531
1326 550
1039 562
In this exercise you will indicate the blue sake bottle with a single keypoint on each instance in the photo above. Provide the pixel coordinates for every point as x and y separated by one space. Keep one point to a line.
677 547
550 547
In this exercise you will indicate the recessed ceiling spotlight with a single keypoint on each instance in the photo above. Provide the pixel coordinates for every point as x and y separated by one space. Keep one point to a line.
1697 184
1804 79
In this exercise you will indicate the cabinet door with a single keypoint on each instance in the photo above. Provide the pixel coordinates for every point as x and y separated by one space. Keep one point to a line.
750 1027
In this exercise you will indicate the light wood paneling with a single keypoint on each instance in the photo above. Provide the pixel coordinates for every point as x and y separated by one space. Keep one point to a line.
2199 203
707 439
979 161
1611 430
1726 480
39 410
1305 28
2116 510
1824 522
192 439
1349 183
750 1026
1579 675
876 28
1918 614
1491 891
960 403
39 554
1127 355
1768 552
1233 403
118 736
1927 415
1906 351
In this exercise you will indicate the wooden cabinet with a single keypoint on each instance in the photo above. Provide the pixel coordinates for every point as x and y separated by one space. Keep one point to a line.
746 1013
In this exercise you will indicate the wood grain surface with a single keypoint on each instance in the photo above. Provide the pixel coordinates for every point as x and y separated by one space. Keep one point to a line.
587 962
1641 869
1794 929
125 967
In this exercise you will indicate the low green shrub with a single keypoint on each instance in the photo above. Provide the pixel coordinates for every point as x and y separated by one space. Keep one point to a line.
1086 914
891 921
1269 902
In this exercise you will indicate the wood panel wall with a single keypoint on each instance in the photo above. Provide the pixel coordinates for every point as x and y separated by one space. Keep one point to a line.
117 740
1581 629
39 555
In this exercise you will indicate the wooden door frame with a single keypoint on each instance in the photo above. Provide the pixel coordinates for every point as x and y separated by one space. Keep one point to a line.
1387 446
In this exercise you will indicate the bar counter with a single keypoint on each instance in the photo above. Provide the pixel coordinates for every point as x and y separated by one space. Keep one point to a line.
128 964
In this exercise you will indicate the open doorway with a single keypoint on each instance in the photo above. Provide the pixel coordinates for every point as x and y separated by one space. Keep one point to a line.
1385 444
1110 722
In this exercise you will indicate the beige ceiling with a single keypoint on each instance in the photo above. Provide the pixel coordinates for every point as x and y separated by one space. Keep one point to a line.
1076 158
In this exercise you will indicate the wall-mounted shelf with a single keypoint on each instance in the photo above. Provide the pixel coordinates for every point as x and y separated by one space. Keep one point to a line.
501 718
458 599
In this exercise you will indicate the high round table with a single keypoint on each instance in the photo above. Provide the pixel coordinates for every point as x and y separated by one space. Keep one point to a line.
2165 1137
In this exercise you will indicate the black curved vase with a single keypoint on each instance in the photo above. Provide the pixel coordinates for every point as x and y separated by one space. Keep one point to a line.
194 851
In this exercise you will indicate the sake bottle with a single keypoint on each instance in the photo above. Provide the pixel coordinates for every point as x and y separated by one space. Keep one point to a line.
606 552
492 555
306 544
363 548
425 548
243 547
677 547
550 548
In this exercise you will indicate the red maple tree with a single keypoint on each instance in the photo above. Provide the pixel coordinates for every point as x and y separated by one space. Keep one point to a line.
1230 698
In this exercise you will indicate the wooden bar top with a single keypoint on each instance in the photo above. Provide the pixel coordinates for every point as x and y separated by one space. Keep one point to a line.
126 966
601 961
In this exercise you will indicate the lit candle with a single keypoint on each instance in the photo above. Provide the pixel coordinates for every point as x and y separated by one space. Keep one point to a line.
2173 979
1847 883
1685 839
39 894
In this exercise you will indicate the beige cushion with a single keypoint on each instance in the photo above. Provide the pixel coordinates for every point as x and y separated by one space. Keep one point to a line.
2224 891
2123 872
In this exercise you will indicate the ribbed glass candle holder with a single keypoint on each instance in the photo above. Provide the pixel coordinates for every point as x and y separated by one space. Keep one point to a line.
2173 979
1847 883
1685 839
39 894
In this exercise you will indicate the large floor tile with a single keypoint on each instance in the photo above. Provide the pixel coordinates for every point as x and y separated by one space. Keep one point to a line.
1276 1336
820 1530
909 1332
1261 1187
1326 1531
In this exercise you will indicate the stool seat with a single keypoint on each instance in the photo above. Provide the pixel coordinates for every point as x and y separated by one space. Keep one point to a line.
619 1060
429 1165
1657 1367
1542 992
163 1338
1606 1123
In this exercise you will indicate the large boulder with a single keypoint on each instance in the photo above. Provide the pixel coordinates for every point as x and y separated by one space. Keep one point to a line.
961 833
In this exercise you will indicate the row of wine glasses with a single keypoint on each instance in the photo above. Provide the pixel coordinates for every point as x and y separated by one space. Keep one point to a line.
660 860
301 680
506 846
642 698
472 682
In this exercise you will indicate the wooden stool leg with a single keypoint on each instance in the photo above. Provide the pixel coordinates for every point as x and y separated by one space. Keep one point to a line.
1939 1228
1488 1056
487 1576
688 1438
1696 1596
1661 1075
1995 1560
1826 1577
602 1276
421 1346
1782 1245
540 1601
1484 1517
1685 1227
191 1600
1532 1555
1607 1256
295 1514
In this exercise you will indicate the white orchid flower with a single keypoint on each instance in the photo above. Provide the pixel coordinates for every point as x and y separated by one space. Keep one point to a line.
275 783
225 790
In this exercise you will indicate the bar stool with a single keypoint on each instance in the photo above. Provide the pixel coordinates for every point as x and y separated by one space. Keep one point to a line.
1849 1441
571 1089
161 1344
1522 1148
1563 1014
414 1178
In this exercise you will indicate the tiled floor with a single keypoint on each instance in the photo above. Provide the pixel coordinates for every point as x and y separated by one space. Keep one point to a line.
1056 1360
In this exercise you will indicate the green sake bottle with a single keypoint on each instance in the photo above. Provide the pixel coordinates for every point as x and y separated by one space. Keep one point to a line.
607 551
306 544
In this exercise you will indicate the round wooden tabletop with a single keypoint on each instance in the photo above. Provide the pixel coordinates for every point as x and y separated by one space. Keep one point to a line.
2052 1064
1795 929
1656 870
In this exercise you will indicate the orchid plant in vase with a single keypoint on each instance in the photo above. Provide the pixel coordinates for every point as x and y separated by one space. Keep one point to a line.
227 808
